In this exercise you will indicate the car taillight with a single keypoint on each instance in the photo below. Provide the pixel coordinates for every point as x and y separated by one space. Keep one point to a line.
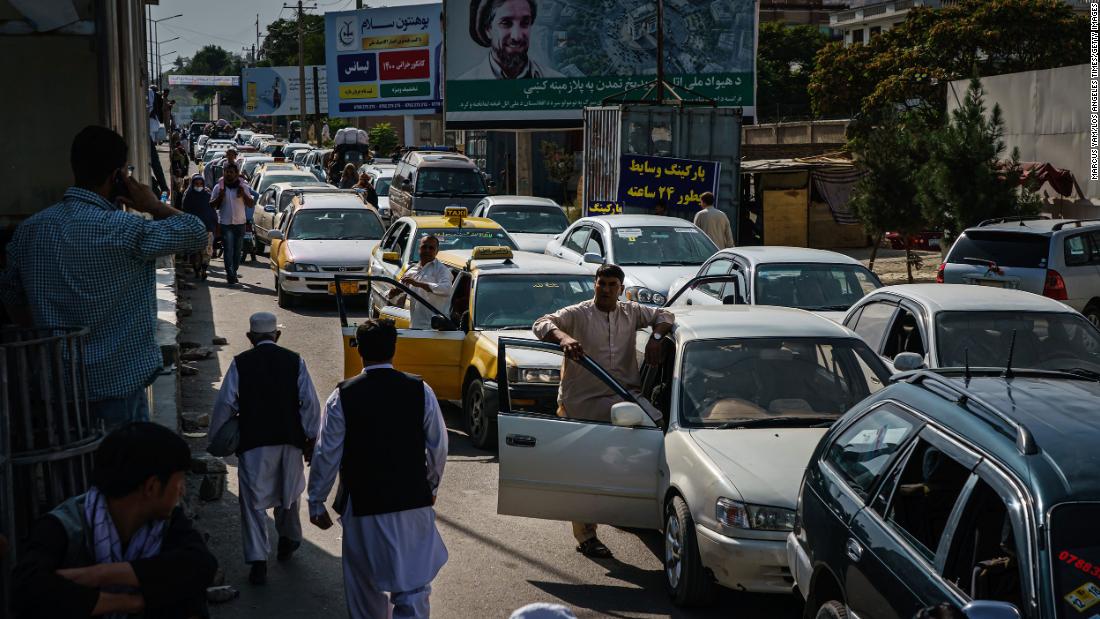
939 272
1055 286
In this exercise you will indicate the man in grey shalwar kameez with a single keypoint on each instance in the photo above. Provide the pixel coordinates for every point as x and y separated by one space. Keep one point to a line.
270 389
384 433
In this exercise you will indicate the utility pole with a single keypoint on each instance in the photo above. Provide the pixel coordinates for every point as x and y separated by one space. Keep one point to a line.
257 46
301 65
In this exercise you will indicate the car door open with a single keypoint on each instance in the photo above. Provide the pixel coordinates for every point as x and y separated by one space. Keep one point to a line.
583 471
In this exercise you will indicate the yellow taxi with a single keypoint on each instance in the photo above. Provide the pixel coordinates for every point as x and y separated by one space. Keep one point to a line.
455 229
496 291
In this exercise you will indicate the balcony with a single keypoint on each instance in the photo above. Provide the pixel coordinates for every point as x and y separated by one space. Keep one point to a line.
862 11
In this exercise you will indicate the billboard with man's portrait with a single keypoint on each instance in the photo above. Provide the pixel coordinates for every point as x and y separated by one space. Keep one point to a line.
513 61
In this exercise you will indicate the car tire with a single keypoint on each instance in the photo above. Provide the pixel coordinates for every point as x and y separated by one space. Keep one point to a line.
481 427
687 581
285 299
832 610
1092 313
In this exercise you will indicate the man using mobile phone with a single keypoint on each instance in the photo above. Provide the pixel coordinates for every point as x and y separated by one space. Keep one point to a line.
86 261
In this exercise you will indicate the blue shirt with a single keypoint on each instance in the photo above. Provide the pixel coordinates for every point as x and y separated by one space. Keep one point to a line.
85 262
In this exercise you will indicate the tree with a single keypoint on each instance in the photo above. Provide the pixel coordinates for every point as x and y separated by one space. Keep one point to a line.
383 139
965 178
784 63
910 64
559 164
885 198
280 47
213 60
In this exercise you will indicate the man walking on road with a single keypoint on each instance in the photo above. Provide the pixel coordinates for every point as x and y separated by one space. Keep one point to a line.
270 390
431 278
604 329
383 431
232 197
714 222
85 261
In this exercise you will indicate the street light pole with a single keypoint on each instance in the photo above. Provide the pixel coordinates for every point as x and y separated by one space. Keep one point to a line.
155 62
160 67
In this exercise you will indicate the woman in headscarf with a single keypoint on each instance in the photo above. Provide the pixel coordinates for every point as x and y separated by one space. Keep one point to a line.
196 201
366 189
349 178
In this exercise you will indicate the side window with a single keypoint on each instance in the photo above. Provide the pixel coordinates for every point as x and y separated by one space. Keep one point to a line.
905 335
1077 250
577 239
657 380
984 557
926 493
460 296
391 243
402 239
872 323
718 267
862 451
1094 238
594 244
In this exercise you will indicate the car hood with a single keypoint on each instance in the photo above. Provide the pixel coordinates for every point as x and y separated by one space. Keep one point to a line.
529 241
334 253
523 357
765 465
657 278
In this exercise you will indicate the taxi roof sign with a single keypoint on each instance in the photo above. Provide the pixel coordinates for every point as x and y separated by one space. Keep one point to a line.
486 252
456 211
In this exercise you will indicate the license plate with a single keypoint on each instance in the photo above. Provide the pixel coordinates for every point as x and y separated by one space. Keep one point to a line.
991 283
345 288
934 243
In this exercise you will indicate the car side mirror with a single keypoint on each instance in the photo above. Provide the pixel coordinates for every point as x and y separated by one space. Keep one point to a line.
908 361
442 323
593 258
391 257
990 609
269 209
275 235
627 415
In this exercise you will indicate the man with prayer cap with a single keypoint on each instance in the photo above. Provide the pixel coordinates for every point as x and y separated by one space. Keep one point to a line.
269 388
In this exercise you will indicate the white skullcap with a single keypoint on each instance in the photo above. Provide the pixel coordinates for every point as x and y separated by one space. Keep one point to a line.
542 610
263 322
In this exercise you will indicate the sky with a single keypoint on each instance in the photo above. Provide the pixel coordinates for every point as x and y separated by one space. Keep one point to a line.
231 23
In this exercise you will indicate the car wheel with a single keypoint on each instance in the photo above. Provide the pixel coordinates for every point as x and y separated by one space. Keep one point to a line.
285 299
1092 312
479 424
687 581
832 610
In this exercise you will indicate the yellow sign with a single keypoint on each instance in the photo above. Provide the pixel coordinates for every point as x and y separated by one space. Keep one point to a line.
391 41
491 253
455 211
251 105
362 91
1084 597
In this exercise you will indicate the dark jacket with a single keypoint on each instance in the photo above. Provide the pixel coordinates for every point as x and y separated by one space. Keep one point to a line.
198 204
173 583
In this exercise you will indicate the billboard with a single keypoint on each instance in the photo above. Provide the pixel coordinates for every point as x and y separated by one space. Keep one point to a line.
275 91
204 80
384 61
679 183
510 61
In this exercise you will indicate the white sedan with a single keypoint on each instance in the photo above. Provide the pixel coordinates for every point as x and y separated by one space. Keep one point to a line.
713 451
653 251
532 222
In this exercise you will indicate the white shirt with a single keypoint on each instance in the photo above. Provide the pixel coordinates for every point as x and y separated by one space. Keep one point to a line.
401 551
233 210
439 279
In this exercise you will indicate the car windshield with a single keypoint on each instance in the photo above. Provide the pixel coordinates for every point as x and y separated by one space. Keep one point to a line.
1044 340
462 238
517 301
1075 555
449 181
660 245
335 225
269 179
1006 249
251 163
382 186
746 382
211 154
813 286
530 219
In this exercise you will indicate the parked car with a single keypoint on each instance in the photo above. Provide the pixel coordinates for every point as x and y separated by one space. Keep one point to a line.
653 251
314 162
274 202
817 280
428 181
279 173
973 489
320 236
242 136
258 139
950 325
299 156
1057 258
713 450
532 222
289 150
381 175
253 161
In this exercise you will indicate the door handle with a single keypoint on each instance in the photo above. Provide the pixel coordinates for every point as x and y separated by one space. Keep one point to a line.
853 549
520 440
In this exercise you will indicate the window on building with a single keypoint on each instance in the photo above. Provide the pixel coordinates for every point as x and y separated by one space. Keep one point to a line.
857 35
874 31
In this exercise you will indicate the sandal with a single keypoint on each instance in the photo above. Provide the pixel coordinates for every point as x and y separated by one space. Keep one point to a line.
594 549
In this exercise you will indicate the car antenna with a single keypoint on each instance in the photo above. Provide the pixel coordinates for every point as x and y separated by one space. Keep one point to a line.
966 365
1011 347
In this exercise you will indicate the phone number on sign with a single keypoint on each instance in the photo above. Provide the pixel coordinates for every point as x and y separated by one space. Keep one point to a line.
1079 563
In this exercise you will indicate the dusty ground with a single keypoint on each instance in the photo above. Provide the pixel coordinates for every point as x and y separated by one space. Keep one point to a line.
890 264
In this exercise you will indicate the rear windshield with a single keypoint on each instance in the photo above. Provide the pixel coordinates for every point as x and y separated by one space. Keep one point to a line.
449 182
1006 249
1075 554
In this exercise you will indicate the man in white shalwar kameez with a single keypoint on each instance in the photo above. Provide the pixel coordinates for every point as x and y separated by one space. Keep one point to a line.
384 433
270 389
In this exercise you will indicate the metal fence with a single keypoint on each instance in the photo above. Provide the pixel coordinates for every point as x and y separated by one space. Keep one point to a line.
47 436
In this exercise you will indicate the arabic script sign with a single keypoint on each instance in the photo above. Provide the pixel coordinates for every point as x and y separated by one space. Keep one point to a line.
645 180
204 80
385 60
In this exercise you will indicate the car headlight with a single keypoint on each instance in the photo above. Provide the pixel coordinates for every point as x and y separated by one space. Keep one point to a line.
757 517
547 376
302 267
641 294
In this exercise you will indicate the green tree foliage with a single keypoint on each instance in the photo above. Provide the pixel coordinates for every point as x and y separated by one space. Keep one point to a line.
280 46
784 63
885 199
213 60
911 64
560 164
965 178
383 139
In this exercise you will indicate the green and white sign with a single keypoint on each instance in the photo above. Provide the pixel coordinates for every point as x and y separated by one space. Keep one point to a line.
513 61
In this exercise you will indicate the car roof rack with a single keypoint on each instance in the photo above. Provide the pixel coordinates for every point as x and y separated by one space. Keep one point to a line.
1025 441
1076 223
1005 220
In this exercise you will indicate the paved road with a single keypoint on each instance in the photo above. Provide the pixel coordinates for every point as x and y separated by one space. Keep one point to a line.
497 564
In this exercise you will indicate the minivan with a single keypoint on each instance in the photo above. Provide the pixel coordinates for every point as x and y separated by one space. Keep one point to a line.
426 182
